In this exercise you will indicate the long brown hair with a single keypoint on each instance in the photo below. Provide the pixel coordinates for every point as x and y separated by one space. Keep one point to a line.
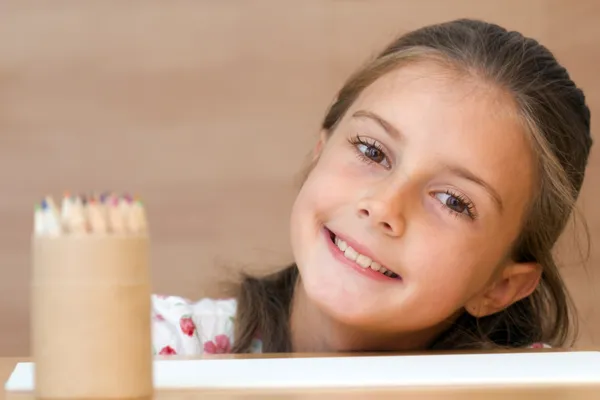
558 122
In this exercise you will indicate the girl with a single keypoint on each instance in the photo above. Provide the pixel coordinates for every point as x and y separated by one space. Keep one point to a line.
445 171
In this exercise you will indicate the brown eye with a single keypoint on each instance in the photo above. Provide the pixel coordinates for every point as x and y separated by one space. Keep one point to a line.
374 154
455 204
370 151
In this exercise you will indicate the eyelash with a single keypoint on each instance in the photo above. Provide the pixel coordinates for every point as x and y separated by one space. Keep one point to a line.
357 140
469 207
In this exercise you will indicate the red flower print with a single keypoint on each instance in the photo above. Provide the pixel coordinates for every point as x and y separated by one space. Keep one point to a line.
187 325
221 345
537 346
167 351
159 317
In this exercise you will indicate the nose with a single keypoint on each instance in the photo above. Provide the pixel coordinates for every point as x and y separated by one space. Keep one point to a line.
383 211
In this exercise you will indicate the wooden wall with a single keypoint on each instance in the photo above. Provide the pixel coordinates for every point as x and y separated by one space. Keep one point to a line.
208 110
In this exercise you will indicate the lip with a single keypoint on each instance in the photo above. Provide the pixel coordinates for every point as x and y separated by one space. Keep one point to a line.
367 272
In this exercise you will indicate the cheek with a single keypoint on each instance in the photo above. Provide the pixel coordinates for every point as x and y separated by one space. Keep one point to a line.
446 271
308 214
330 185
326 195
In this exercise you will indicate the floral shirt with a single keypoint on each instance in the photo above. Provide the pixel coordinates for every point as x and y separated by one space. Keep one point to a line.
187 328
182 327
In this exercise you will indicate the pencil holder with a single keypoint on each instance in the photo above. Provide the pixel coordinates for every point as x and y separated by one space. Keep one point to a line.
90 309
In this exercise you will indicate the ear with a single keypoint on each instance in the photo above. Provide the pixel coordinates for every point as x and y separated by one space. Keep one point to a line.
319 145
515 282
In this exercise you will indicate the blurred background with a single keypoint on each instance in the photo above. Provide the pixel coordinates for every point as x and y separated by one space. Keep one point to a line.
208 110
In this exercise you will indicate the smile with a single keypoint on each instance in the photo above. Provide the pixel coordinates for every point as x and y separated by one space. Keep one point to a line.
345 252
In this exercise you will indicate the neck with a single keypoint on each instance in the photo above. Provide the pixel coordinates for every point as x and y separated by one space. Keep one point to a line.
312 331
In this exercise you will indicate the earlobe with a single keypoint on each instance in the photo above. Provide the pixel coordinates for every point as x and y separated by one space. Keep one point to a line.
515 282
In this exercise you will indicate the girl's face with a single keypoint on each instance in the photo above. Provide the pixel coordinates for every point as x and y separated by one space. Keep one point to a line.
428 176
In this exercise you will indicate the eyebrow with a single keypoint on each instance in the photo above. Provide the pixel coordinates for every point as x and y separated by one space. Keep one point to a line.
389 128
466 174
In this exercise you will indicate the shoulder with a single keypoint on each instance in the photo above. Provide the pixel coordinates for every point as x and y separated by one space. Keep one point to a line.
205 306
181 326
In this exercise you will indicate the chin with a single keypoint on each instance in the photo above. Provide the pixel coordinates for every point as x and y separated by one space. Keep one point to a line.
335 289
343 300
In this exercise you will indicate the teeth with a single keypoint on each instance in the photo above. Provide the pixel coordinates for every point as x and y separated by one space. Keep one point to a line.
350 253
341 244
363 261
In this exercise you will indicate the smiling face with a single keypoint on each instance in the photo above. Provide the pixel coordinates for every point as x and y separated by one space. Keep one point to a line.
428 176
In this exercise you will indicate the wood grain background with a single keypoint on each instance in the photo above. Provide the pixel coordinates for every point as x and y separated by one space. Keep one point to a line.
208 110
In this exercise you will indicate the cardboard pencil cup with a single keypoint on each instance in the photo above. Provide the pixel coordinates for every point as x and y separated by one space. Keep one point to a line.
90 328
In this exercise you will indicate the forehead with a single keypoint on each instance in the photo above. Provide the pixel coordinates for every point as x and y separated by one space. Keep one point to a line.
450 118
